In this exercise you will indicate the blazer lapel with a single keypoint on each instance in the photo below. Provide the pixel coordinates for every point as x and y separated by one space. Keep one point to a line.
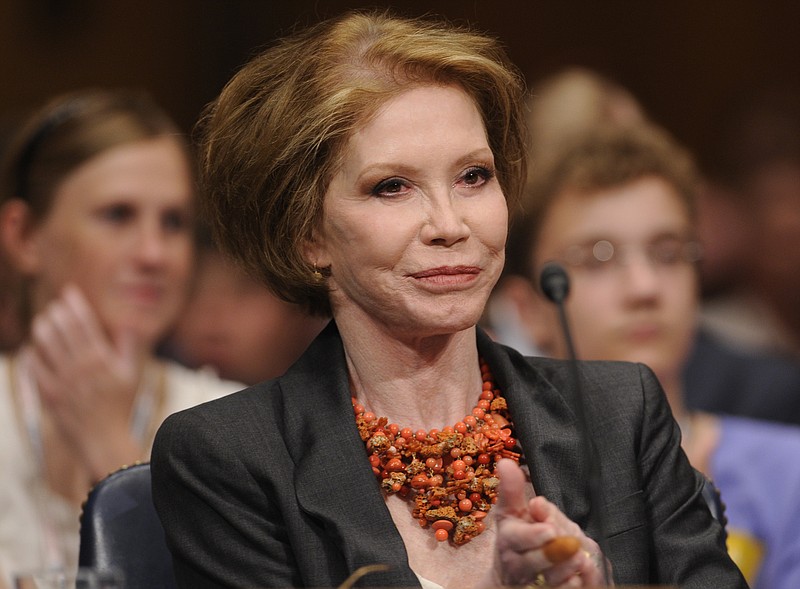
547 429
334 482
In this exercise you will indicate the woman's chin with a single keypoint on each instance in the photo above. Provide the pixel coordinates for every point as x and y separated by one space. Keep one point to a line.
446 323
144 335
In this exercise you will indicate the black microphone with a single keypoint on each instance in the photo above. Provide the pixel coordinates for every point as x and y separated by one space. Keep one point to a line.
554 284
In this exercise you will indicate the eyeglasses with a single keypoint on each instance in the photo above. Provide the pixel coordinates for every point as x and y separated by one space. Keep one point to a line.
603 255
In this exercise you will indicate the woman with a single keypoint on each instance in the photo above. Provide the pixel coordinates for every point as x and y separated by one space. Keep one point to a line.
364 167
97 216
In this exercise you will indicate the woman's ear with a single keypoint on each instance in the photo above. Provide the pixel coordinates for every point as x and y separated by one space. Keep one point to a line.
315 252
17 236
537 317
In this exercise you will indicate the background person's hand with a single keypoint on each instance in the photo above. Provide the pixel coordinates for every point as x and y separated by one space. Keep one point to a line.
87 382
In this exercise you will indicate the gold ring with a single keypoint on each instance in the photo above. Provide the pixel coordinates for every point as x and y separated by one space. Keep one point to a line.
538 581
596 558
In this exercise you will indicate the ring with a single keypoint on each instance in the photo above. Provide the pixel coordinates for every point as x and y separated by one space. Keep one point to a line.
596 558
539 581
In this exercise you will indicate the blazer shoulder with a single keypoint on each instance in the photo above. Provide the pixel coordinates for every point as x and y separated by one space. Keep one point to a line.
594 374
617 381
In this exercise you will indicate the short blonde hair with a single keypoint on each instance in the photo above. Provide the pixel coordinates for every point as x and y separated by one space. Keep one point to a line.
271 143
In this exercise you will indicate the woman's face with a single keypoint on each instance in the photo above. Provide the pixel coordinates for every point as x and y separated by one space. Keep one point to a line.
120 229
414 222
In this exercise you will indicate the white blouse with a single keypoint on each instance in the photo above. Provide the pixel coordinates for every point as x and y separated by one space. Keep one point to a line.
39 528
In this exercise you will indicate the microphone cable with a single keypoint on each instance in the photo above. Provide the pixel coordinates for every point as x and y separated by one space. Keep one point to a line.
554 284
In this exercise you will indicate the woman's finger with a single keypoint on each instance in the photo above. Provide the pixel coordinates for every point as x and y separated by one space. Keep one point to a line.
512 500
48 341
87 328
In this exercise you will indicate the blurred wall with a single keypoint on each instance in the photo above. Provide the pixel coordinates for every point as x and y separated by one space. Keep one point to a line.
682 58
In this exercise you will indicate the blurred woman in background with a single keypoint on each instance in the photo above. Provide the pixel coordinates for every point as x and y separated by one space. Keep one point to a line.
96 214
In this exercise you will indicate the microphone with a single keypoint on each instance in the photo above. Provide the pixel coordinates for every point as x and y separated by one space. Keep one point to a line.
554 284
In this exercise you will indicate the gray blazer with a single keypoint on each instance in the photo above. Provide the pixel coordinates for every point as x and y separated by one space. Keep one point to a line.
270 486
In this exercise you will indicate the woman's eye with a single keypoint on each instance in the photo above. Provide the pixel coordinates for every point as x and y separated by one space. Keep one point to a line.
390 187
477 176
117 213
176 221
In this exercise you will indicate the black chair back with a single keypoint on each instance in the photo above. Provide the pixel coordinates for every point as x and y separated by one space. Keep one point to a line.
120 530
715 503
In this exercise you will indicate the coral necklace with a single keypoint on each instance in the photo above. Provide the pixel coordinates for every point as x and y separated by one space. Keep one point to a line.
451 473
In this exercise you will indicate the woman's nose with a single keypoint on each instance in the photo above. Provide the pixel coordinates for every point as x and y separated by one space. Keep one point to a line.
151 243
445 223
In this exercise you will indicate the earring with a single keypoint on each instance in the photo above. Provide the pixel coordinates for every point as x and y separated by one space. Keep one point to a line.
317 274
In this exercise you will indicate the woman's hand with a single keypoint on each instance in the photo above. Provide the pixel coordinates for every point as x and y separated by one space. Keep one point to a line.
524 529
86 382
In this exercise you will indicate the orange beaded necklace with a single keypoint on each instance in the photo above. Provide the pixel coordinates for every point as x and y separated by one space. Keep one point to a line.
449 473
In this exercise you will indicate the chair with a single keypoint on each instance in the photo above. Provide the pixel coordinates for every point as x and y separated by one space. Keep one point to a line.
120 530
715 503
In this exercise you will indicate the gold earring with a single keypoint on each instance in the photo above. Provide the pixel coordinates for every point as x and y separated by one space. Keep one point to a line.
317 274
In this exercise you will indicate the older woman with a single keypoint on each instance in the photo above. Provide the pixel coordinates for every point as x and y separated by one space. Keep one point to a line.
363 167
96 215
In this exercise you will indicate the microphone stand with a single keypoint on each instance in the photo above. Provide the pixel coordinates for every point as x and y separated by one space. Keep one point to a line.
554 284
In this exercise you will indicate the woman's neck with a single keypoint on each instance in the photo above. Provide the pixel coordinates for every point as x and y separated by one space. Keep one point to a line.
425 383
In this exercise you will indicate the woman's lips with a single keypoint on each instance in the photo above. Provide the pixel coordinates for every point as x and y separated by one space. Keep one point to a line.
447 271
447 275
145 294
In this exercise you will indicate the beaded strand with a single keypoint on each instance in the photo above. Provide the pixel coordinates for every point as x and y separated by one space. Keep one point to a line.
450 474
